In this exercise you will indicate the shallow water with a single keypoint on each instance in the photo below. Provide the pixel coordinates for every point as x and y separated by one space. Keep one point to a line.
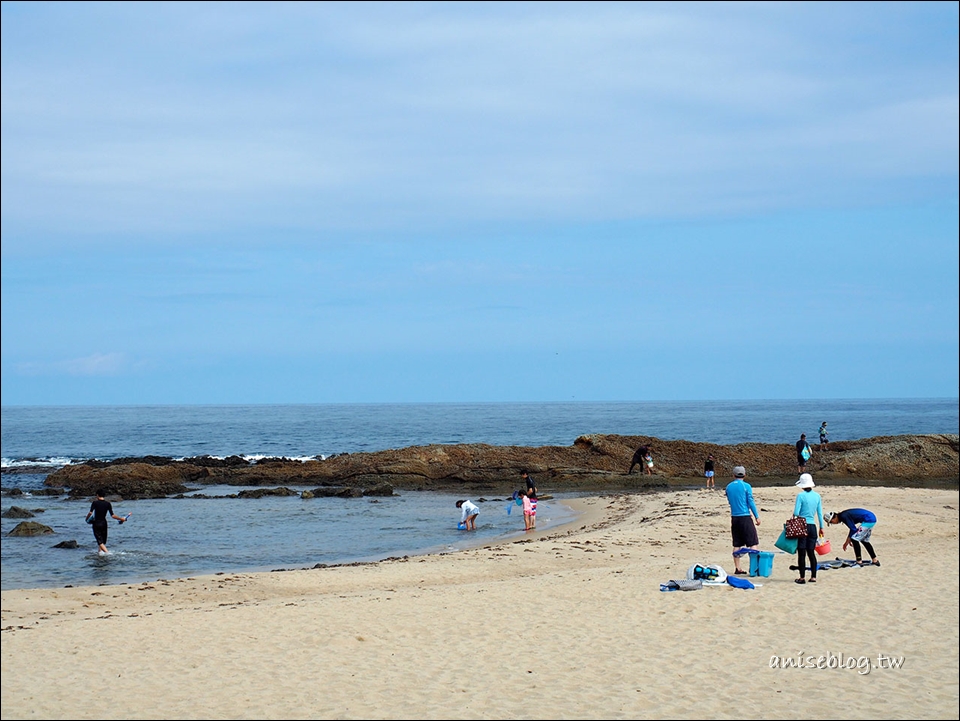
169 538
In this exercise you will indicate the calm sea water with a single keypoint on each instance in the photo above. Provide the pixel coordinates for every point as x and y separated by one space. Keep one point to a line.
179 537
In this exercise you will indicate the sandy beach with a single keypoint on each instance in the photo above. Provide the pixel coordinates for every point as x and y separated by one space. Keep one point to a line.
563 624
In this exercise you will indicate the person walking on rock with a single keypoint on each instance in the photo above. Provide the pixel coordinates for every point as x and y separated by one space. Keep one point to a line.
803 453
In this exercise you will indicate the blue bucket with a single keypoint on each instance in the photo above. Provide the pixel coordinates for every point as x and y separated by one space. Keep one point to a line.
761 564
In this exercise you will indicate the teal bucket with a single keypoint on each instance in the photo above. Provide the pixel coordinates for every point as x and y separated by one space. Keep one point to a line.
761 564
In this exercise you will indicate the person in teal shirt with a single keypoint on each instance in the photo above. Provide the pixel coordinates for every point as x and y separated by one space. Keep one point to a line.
809 506
743 509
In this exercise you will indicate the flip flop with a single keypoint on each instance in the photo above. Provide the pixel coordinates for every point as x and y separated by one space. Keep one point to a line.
798 580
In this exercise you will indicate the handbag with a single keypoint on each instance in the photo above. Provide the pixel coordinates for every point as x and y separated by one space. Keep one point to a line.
787 545
796 527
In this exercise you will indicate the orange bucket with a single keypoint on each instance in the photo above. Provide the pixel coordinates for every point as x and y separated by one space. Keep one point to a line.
823 548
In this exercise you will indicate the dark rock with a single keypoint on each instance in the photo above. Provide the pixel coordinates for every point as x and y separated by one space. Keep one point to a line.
134 480
332 492
381 489
211 462
17 512
67 544
261 492
30 528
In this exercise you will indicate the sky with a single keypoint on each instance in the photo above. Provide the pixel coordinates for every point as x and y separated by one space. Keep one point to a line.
403 202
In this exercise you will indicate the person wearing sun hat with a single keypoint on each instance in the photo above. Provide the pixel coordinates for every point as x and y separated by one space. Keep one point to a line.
810 506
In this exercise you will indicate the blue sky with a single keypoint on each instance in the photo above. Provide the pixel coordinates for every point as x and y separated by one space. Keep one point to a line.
301 203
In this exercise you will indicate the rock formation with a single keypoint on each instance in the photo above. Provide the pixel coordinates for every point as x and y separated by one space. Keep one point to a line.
593 462
30 528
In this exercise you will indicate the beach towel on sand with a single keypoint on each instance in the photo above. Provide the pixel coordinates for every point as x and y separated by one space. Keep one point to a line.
684 584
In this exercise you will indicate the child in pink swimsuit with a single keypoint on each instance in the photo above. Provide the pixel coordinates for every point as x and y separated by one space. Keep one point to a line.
529 512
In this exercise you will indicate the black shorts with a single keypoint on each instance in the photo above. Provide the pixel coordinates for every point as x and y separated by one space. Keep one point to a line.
100 533
809 542
744 531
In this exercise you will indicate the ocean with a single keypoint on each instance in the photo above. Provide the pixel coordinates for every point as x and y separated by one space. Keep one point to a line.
169 538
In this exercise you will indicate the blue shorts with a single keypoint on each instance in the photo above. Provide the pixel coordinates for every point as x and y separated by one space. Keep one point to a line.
708 474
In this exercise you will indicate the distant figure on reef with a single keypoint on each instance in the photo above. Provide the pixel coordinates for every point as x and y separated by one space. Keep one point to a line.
100 509
468 515
803 453
640 457
742 505
708 471
824 441
860 521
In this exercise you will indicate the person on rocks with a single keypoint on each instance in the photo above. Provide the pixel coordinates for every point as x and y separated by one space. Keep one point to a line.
642 457
803 453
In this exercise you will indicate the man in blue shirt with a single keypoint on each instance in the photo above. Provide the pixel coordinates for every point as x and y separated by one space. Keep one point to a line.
740 498
860 521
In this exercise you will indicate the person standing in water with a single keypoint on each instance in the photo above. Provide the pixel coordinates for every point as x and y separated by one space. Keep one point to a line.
528 482
468 515
100 509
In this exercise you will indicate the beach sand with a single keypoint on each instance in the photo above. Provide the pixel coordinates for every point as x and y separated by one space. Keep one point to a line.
563 624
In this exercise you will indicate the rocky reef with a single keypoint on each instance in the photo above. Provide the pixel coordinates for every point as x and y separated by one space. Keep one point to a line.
593 462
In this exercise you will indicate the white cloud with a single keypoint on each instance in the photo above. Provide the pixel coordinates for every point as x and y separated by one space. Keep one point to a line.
96 364
318 117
